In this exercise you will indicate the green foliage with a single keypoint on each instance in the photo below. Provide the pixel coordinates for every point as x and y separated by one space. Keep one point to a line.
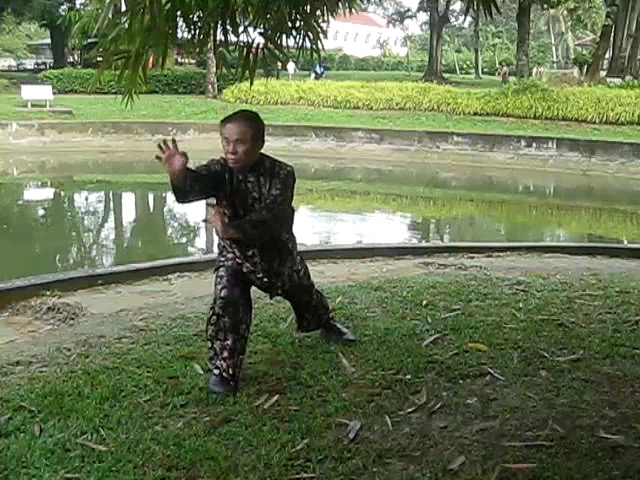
149 28
6 86
15 35
530 100
175 80
583 59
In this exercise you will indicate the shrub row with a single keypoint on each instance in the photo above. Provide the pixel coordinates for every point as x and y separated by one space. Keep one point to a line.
176 80
530 100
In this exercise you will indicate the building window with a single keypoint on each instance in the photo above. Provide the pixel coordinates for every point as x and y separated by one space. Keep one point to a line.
355 37
367 38
346 37
335 35
395 42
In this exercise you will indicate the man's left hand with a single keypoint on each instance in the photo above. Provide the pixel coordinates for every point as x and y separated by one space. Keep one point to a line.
217 218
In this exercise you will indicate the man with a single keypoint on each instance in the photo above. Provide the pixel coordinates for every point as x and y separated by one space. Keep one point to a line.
504 74
292 68
253 218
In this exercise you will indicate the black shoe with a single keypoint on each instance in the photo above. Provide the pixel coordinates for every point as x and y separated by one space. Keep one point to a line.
335 332
220 385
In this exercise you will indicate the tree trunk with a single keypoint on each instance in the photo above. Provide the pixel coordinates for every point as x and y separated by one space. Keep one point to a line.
632 40
212 68
616 65
58 45
633 62
565 27
437 22
599 54
477 53
523 18
118 224
554 49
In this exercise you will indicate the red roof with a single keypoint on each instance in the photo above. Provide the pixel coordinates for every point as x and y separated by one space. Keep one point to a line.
363 18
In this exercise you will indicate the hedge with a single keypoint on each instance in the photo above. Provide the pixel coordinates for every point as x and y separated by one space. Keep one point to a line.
175 80
530 100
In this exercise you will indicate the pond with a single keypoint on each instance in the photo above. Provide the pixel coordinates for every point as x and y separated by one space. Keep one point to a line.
57 224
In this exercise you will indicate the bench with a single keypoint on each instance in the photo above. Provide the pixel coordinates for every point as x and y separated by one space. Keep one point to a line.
31 93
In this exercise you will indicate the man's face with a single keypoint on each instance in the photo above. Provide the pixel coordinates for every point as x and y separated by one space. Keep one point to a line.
240 149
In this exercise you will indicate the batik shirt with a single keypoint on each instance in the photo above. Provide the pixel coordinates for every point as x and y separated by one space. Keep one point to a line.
258 201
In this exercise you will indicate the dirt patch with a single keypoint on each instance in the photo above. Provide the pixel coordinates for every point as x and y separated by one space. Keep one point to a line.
38 325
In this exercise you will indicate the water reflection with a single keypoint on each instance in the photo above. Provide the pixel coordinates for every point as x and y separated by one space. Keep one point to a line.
50 227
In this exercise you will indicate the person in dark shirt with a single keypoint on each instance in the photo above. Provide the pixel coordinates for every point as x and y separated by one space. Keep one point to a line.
253 218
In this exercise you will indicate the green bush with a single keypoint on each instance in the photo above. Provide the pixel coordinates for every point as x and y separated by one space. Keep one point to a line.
175 80
531 100
6 86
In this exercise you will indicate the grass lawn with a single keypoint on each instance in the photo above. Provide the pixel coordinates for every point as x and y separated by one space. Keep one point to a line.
527 370
197 109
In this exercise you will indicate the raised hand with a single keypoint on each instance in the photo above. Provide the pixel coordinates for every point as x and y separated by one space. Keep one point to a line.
172 158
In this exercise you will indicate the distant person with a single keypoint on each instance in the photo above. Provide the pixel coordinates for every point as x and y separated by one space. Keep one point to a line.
278 69
504 74
253 218
292 68
319 71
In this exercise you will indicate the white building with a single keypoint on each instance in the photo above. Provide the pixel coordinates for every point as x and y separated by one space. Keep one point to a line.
364 35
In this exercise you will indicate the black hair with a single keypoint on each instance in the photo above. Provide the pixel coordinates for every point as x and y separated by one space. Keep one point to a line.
249 118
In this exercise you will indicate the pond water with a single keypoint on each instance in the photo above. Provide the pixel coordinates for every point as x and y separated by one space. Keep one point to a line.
57 225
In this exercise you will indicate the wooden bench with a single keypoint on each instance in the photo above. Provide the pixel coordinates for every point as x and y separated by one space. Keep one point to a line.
31 93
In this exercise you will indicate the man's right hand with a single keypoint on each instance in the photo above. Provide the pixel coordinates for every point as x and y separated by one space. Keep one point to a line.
174 161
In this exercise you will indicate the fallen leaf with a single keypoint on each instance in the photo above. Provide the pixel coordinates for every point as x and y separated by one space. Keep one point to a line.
528 444
301 446
347 366
338 300
478 347
457 463
437 407
352 431
518 466
618 438
484 426
431 339
386 417
71 475
29 407
302 476
37 430
270 403
367 391
495 374
570 358
294 408
198 368
95 446
450 314
419 402
261 400
5 419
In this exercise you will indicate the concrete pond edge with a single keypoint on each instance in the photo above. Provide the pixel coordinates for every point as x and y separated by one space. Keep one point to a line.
577 148
20 289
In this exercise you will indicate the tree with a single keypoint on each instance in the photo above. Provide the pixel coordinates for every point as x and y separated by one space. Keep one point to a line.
617 62
14 35
147 28
476 8
604 40
50 15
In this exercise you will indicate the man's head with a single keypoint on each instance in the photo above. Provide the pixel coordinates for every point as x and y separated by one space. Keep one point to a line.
242 135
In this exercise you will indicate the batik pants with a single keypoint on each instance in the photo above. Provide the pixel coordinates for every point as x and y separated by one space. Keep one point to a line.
230 315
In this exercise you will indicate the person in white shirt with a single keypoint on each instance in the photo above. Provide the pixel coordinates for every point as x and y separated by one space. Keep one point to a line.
291 68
